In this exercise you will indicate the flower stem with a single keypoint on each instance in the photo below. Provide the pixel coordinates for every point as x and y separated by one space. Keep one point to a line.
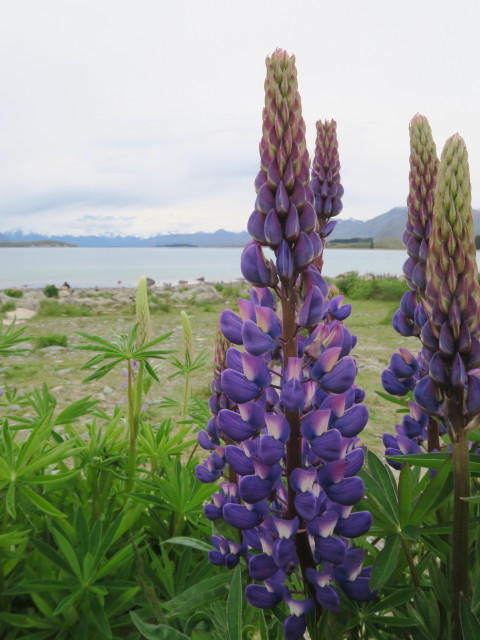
461 489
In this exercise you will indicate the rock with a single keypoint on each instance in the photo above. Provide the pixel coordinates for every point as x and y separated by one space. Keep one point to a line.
107 389
181 296
21 313
150 282
63 372
53 349
57 389
208 297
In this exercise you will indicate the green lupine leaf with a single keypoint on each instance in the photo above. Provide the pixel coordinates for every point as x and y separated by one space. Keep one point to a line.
403 402
76 410
67 549
7 441
156 631
437 490
151 371
99 618
52 555
469 621
68 601
476 594
235 606
385 562
383 475
102 371
194 543
392 621
10 500
40 502
394 599
197 595
53 478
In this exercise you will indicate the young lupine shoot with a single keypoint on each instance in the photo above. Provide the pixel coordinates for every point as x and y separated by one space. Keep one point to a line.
286 411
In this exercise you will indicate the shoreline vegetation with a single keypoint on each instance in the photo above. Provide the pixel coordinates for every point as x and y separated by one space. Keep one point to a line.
53 325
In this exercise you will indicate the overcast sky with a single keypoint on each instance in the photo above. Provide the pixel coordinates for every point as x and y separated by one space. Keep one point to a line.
144 116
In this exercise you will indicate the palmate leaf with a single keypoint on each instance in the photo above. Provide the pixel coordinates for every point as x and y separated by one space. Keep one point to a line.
235 606
38 501
9 337
385 562
156 631
469 621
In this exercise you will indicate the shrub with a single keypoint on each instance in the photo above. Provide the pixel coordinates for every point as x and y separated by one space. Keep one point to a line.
7 306
13 293
51 340
50 308
50 291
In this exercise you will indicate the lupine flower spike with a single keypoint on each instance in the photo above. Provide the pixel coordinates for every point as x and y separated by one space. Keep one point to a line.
325 184
405 369
451 390
287 413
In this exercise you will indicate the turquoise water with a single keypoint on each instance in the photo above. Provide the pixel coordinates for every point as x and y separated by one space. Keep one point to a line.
111 267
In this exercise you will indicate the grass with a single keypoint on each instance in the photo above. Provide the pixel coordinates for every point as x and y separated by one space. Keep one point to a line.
375 345
8 306
50 308
51 340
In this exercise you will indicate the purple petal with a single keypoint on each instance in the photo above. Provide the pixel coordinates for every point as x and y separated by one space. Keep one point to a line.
206 475
237 387
212 512
284 262
394 386
352 566
286 528
303 252
255 340
306 505
240 517
331 549
342 376
327 446
411 427
357 524
238 460
359 589
328 598
301 480
268 321
254 267
273 229
428 396
255 227
278 426
294 627
261 567
313 309
231 326
315 423
323 526
260 597
253 489
332 472
308 218
400 368
472 402
270 450
292 224
256 370
353 421
355 461
265 199
348 492
291 395
234 427
284 552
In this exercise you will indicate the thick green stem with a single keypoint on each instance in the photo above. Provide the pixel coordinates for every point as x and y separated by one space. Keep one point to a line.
134 405
461 489
186 395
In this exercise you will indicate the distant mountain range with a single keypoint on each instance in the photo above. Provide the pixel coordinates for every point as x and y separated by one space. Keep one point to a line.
386 225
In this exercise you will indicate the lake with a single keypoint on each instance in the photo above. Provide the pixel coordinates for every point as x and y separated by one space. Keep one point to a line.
113 267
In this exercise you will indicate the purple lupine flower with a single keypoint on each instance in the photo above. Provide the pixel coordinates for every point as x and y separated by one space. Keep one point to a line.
287 412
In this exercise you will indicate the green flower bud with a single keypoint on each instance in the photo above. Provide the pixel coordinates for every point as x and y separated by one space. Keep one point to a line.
143 313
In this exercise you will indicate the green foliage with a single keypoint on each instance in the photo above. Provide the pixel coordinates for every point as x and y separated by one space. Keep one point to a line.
51 308
50 291
81 557
8 306
51 340
10 337
13 293
357 288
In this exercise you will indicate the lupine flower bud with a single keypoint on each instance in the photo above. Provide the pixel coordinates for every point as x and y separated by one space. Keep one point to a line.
422 180
452 292
142 312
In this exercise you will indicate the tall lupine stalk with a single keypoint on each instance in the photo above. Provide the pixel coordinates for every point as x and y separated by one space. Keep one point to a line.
325 184
405 369
451 390
135 379
286 409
